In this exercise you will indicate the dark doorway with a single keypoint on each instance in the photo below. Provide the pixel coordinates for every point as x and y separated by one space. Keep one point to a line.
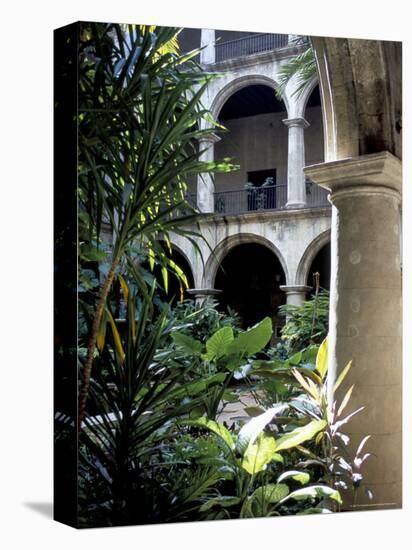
249 277
262 177
321 265
261 189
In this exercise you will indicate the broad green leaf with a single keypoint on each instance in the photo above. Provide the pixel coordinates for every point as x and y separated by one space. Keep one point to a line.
253 340
309 354
223 502
296 358
272 493
250 431
215 427
299 435
259 454
217 344
322 359
302 477
314 491
188 343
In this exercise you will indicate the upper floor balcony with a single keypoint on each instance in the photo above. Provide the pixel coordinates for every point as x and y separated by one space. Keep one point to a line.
258 199
220 46
249 45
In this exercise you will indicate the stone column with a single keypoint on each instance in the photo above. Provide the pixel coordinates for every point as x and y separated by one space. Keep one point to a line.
205 184
295 294
207 42
203 294
365 312
296 162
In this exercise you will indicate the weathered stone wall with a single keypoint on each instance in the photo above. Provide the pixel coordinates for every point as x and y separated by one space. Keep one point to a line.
295 236
261 143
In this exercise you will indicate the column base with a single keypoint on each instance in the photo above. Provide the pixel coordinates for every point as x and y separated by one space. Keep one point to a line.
293 205
202 294
295 294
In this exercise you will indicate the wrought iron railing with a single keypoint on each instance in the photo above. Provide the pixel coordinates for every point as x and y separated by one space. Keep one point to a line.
240 201
250 200
250 45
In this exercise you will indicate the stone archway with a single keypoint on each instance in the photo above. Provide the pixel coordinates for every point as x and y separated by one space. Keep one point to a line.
237 84
250 279
309 255
227 244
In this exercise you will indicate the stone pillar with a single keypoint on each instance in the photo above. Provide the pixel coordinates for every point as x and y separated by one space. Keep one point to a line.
207 42
203 294
296 162
205 184
295 294
365 312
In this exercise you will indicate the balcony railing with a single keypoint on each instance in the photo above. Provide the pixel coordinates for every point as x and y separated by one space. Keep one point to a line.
256 43
251 200
274 197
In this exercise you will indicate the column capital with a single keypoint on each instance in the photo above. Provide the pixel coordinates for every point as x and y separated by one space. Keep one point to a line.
298 122
295 289
203 292
209 138
379 173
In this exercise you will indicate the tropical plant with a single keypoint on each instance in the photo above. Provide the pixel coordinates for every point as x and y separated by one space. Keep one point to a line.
253 460
306 324
339 469
302 68
136 392
140 115
201 321
224 354
330 453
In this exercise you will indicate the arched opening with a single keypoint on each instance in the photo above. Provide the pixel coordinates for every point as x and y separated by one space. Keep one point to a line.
249 276
320 264
257 141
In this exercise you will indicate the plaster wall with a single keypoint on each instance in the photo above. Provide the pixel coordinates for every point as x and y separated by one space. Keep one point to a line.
290 234
261 143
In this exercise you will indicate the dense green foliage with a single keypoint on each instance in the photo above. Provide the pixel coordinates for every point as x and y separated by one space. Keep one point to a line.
152 446
306 324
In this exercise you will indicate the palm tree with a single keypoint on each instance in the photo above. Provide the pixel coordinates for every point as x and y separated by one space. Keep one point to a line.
302 67
140 115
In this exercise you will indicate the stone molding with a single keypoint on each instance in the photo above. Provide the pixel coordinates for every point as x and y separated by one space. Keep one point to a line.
211 138
201 292
374 173
257 59
298 122
272 215
295 289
